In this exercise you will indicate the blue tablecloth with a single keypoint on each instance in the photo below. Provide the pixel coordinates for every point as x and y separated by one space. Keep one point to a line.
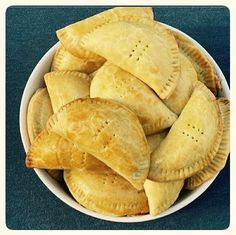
30 33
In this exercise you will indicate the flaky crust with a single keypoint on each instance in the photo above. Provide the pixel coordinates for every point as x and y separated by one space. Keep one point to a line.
184 88
142 38
64 60
70 36
104 191
66 86
51 151
39 111
219 160
198 131
112 82
205 70
108 131
161 195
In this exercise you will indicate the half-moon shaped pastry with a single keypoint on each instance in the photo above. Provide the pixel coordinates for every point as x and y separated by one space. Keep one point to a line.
64 60
38 113
70 36
219 160
150 52
192 141
184 88
65 86
205 70
161 195
51 151
109 131
104 191
112 82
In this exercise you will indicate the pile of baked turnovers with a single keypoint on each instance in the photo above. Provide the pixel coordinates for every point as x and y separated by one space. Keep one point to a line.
129 114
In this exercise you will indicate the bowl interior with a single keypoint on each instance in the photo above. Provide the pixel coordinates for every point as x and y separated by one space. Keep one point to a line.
36 81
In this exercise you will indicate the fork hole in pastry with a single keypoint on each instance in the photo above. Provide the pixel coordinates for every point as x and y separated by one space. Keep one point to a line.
138 59
193 137
196 140
183 132
202 133
130 55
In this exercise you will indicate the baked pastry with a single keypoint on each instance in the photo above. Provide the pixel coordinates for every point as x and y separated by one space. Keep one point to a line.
219 160
161 195
66 86
205 70
64 60
70 36
117 197
150 52
184 88
198 131
109 131
39 111
51 151
112 82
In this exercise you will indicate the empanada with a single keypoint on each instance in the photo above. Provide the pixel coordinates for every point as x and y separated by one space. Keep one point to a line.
205 70
112 82
184 88
144 48
65 86
70 36
104 191
64 60
192 141
39 111
219 160
109 131
51 151
161 195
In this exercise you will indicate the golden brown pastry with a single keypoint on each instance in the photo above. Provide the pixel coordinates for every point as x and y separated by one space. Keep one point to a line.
143 47
112 82
219 160
108 131
51 151
205 70
70 36
66 86
192 141
161 195
102 190
64 60
39 111
184 88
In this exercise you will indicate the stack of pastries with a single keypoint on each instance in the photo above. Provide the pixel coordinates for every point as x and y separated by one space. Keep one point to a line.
130 114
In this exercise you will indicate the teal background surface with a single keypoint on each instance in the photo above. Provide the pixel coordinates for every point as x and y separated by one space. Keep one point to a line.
30 32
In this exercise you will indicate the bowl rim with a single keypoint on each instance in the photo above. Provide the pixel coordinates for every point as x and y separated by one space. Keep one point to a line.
55 187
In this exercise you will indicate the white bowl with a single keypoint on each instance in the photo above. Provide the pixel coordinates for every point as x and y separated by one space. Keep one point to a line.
36 81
